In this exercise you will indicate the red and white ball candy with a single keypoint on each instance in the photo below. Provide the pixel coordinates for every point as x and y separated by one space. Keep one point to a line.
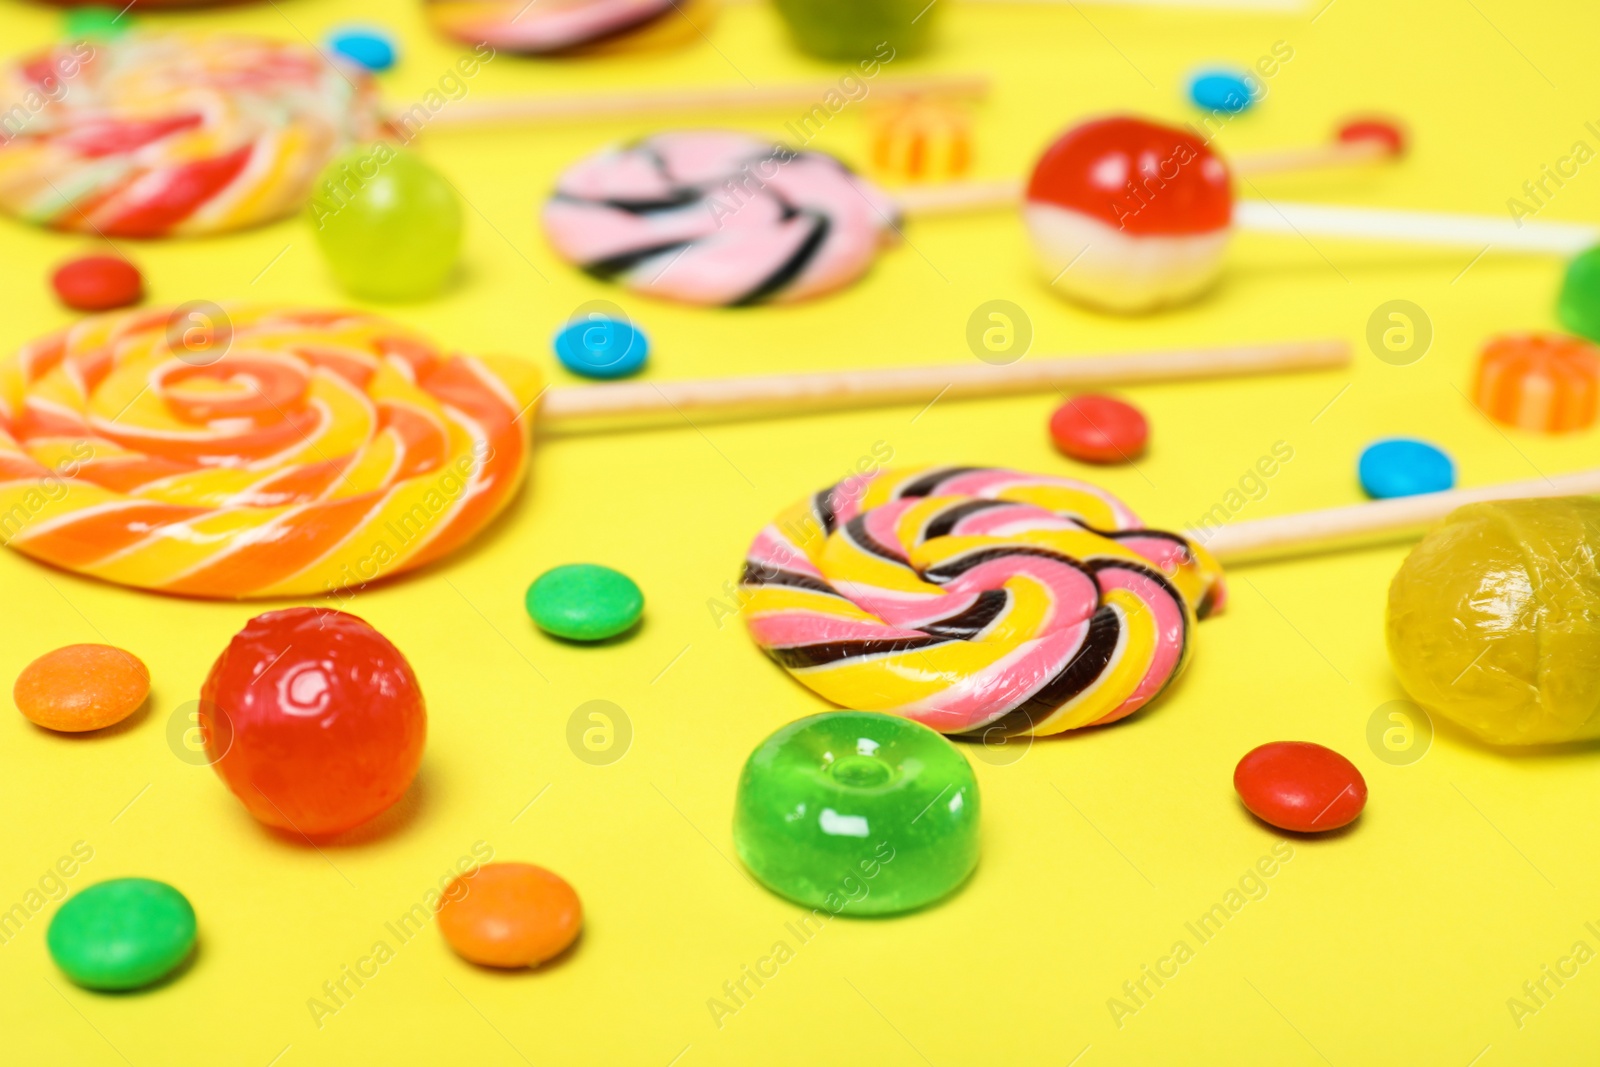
1128 215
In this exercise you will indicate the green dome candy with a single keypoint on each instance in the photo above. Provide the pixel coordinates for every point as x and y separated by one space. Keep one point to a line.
858 812
584 602
1578 307
122 934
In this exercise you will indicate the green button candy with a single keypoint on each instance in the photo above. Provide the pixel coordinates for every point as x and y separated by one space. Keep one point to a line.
1578 307
858 812
122 934
584 602
95 22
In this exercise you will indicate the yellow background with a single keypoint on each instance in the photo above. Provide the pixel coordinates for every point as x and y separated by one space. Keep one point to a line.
1398 942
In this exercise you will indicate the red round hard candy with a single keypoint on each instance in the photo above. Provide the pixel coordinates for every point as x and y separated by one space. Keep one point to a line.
1138 177
1099 429
98 283
1300 786
313 719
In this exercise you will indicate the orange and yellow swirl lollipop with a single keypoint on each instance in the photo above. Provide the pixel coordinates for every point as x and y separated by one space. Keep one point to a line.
254 452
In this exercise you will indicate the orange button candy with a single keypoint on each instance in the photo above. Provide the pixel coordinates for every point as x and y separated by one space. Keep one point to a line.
510 915
81 687
1539 381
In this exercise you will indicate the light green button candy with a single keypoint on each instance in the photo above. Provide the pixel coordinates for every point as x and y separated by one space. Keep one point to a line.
584 602
122 934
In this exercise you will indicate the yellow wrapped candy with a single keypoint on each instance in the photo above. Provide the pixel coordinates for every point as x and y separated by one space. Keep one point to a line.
1494 620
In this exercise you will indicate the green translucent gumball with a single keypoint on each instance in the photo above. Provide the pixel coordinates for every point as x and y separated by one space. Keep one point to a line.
1578 307
389 225
858 812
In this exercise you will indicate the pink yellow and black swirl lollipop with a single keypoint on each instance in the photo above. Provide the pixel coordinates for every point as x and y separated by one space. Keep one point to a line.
977 600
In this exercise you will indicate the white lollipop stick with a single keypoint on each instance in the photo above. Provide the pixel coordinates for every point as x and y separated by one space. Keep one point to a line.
1417 227
1380 519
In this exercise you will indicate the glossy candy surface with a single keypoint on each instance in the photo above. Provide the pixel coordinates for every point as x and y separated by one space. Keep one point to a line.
177 134
584 602
254 451
82 687
1139 211
1402 466
602 348
97 283
977 600
510 915
858 813
1300 786
1494 621
388 224
1546 382
1099 429
313 719
122 934
718 217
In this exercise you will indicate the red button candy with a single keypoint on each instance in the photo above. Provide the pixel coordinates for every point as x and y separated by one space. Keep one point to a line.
1099 429
1296 785
313 719
1389 134
98 283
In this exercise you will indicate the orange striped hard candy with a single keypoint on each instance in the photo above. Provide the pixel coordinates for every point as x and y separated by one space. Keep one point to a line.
1547 382
253 452
922 140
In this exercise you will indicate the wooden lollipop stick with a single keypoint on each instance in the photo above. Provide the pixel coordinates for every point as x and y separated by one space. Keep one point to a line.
1415 227
921 385
1313 157
1380 519
670 101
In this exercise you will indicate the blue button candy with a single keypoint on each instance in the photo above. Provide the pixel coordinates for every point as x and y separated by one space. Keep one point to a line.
372 49
599 347
1402 466
1227 91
